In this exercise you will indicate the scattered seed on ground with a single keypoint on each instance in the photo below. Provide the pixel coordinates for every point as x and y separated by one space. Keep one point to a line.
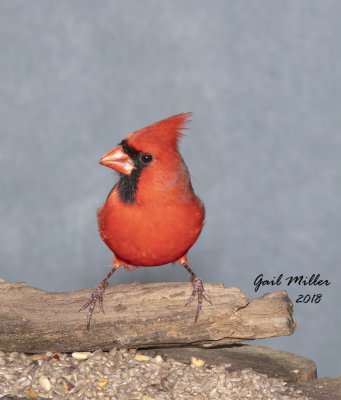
123 374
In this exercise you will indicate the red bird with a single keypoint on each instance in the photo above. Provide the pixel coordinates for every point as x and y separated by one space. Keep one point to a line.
151 216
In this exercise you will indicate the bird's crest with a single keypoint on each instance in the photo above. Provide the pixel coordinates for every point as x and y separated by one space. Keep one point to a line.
166 132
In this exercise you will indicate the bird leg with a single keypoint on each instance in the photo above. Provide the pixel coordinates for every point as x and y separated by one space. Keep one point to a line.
97 294
198 288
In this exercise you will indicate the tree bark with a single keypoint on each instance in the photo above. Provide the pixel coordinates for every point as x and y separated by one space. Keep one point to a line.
137 315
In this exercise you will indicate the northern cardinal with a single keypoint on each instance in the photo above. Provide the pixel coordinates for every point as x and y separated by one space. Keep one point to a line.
151 216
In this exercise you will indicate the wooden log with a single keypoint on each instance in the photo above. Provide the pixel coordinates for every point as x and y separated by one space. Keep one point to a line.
328 388
137 315
274 363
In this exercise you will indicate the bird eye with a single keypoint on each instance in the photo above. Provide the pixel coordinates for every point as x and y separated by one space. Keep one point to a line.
146 158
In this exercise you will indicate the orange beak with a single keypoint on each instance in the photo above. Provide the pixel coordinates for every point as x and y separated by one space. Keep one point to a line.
118 160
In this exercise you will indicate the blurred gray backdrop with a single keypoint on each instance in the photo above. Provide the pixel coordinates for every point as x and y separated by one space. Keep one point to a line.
263 80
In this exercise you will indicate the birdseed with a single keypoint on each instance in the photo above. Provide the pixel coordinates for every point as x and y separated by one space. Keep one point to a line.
119 375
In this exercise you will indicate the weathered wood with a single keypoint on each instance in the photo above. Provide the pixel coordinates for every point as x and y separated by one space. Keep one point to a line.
274 363
321 389
137 315
299 372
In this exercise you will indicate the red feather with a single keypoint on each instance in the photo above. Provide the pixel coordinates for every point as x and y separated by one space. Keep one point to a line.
167 217
152 215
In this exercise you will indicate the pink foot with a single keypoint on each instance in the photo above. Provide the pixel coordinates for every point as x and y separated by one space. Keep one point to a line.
97 294
198 288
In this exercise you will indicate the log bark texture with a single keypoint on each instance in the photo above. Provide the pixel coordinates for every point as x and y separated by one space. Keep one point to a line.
274 363
137 315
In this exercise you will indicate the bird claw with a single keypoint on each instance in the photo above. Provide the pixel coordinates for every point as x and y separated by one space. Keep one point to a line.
198 288
97 294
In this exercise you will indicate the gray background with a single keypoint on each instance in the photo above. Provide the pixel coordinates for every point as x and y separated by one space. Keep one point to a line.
263 81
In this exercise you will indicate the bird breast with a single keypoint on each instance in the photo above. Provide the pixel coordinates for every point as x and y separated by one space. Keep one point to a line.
152 233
